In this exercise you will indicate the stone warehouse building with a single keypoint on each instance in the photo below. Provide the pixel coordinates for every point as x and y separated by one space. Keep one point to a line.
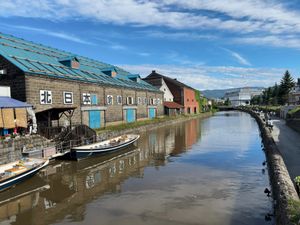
64 87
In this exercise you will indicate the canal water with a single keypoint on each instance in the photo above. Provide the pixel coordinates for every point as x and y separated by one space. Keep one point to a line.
205 171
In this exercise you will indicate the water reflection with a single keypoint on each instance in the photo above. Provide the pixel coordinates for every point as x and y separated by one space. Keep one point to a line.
197 172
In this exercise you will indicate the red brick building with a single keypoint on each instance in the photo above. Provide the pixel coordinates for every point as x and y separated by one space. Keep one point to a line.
182 93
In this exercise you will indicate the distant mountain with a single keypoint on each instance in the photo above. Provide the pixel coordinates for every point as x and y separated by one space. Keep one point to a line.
219 93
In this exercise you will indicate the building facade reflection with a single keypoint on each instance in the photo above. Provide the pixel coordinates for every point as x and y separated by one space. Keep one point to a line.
75 184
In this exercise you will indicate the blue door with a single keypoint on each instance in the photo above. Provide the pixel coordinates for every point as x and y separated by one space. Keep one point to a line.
94 119
130 115
151 113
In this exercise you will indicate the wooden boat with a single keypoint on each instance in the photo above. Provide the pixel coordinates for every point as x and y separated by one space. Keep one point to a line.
104 146
15 172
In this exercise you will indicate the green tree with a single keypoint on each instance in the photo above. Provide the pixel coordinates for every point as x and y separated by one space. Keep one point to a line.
286 84
202 101
227 102
255 100
275 94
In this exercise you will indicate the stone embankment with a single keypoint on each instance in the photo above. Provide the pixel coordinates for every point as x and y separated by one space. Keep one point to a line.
11 149
110 134
283 189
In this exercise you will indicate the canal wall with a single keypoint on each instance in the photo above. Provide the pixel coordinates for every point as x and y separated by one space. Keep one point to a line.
110 134
283 188
11 149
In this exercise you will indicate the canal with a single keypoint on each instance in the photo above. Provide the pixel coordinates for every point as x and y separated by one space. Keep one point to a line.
205 171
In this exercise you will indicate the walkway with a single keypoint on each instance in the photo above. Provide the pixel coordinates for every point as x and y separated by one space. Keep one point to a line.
288 143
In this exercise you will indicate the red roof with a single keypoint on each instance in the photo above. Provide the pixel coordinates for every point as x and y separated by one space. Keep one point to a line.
173 105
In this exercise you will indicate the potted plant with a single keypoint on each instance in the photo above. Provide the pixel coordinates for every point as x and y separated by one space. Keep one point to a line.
297 182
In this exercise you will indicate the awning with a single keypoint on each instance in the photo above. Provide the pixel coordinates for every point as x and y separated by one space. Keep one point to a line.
7 102
54 113
173 105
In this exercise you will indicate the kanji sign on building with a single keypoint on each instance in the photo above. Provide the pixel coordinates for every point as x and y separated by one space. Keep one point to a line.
68 97
86 98
45 97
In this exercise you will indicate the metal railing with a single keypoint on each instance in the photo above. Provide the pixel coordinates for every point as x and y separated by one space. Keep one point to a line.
68 145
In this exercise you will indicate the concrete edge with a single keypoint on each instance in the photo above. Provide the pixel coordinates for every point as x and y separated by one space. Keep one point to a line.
283 188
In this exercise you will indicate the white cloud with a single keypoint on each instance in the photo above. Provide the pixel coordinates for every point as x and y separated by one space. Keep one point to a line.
238 57
242 16
208 77
118 47
286 41
178 58
61 35
179 36
144 54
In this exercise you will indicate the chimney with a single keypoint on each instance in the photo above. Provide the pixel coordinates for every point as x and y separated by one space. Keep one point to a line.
153 71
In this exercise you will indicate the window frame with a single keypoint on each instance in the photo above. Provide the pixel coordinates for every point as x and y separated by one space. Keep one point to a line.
93 103
112 99
119 97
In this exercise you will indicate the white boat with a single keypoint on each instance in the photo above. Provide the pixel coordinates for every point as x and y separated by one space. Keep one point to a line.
15 172
103 146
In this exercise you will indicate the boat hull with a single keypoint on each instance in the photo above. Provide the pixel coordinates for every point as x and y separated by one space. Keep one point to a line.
21 177
85 153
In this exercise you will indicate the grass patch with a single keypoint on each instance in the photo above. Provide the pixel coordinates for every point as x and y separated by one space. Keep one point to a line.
294 211
293 111
125 126
266 107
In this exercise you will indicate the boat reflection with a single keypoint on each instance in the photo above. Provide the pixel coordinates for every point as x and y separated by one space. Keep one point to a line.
76 184
16 201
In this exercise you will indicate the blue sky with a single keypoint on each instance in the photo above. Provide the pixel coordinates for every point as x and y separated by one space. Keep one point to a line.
208 44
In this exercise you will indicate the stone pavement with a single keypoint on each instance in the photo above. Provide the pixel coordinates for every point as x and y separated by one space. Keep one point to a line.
288 143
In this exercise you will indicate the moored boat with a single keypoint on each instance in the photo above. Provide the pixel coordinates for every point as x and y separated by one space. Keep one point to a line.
15 172
103 146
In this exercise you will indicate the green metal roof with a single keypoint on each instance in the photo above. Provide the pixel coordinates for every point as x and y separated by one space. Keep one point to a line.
37 59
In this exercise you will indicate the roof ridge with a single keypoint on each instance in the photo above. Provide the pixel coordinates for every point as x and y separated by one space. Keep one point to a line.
174 80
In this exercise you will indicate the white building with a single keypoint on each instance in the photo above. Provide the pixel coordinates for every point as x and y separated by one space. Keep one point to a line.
294 96
242 96
168 97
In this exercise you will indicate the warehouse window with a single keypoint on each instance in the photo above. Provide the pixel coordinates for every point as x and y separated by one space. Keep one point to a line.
94 99
68 98
109 99
151 101
139 100
3 71
130 101
119 99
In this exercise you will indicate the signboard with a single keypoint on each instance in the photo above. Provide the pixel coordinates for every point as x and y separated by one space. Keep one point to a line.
68 97
86 98
45 97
